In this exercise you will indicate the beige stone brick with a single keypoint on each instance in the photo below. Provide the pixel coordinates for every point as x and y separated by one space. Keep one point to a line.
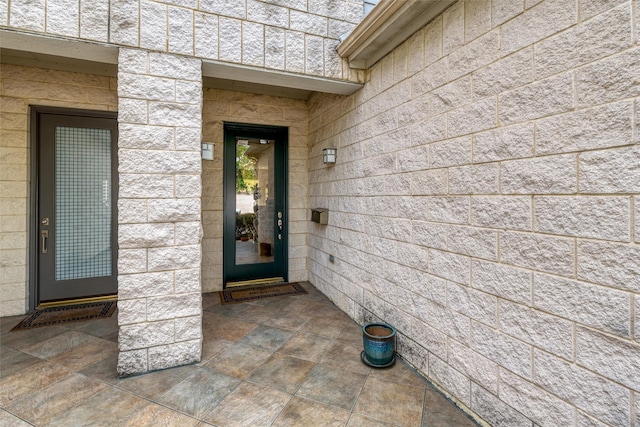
636 216
501 280
487 405
125 22
451 152
474 366
449 266
541 175
505 74
509 353
538 252
475 117
206 34
295 51
433 41
589 9
453 27
173 306
429 338
180 39
231 8
450 379
609 264
475 242
539 329
450 96
504 143
133 362
503 10
253 43
229 41
620 362
145 335
590 305
474 304
27 14
132 311
597 38
132 261
4 12
610 171
609 79
433 76
415 52
593 128
598 397
429 234
542 98
475 179
62 17
475 54
153 26
145 235
595 217
267 14
94 20
449 209
172 258
477 18
274 55
535 24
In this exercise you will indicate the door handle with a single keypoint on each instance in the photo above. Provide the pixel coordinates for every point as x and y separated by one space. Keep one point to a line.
44 235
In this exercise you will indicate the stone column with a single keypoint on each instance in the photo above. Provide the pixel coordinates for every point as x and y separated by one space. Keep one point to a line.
159 215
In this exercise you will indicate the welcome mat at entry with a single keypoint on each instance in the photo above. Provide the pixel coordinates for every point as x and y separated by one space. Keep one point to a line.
68 313
230 296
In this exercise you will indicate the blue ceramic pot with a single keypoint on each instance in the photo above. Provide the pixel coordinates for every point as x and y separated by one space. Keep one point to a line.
379 341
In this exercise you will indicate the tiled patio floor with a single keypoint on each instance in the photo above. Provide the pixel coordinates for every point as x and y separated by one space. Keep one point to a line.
286 361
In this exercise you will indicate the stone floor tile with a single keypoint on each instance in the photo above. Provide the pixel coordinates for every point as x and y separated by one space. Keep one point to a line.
277 303
7 323
29 380
60 344
352 333
266 337
43 405
155 384
304 306
440 412
215 325
105 370
345 355
107 408
239 360
333 386
358 420
210 299
13 361
211 347
288 320
282 372
325 327
154 415
199 392
9 420
302 412
82 356
100 328
389 402
399 373
26 338
306 346
252 312
249 405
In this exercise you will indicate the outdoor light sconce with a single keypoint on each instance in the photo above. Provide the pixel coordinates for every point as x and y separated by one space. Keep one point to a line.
329 156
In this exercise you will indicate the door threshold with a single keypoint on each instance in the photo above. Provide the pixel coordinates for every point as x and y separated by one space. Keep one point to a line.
77 301
254 282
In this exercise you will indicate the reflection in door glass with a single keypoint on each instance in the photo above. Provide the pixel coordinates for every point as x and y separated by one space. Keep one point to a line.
255 210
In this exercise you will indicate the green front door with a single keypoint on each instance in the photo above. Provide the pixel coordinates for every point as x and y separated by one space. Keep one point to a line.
255 204
75 215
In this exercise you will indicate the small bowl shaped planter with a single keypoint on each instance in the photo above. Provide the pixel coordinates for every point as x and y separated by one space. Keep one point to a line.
379 340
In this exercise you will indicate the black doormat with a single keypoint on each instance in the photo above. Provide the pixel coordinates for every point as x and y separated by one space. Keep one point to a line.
230 296
66 314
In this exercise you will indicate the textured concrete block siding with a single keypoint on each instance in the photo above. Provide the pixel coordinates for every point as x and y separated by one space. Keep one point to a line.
220 106
297 36
159 211
485 202
20 87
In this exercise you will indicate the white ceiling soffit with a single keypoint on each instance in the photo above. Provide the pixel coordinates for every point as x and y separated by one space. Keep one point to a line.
240 77
389 24
60 54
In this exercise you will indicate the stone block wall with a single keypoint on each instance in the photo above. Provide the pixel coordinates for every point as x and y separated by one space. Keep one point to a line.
20 87
220 106
297 36
485 202
159 211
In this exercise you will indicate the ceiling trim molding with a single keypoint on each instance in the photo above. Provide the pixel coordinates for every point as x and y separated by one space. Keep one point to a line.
389 24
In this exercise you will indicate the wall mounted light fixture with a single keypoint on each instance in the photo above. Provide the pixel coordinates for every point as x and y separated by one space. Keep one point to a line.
329 155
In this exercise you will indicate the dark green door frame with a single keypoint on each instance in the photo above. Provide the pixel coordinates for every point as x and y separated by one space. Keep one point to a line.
279 267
